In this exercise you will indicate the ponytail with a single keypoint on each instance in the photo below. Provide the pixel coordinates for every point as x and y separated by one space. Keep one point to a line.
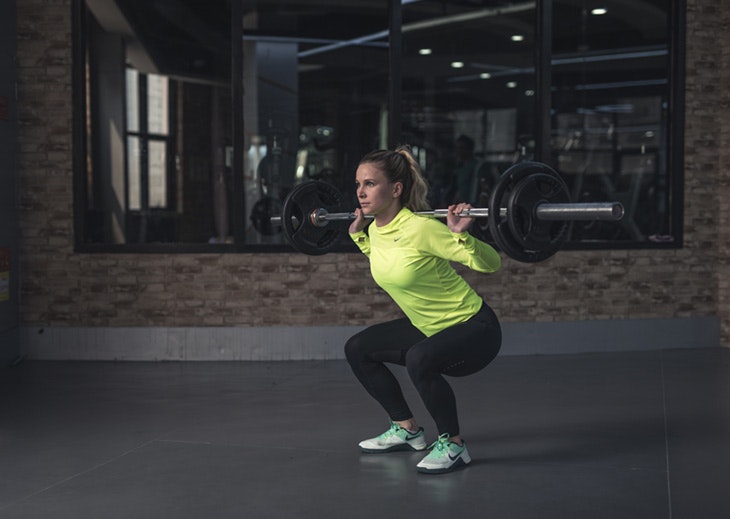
416 197
401 166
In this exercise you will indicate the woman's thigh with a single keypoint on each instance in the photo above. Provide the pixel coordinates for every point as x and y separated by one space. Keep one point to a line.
384 342
460 350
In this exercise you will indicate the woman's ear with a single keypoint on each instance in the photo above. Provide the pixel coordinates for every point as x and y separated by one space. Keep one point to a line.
397 189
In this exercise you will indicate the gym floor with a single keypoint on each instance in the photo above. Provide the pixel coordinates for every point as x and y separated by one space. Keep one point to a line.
615 435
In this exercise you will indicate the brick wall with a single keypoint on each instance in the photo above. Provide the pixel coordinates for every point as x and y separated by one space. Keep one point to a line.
60 288
706 133
722 229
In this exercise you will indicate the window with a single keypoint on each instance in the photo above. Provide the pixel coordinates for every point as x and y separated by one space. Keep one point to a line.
197 119
611 113
468 94
150 170
158 128
315 101
470 105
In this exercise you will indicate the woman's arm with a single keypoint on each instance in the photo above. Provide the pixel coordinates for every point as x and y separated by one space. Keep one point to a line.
456 244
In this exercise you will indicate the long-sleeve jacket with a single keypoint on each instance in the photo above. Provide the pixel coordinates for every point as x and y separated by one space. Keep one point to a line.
410 258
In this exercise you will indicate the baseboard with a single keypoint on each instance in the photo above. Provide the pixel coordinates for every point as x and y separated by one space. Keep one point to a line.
326 342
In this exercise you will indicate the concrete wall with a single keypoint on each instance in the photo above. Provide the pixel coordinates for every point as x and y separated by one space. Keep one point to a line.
279 305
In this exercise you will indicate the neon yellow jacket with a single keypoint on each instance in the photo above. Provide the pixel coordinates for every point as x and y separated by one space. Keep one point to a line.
410 259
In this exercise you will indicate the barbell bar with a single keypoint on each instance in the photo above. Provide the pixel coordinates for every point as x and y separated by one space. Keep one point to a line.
607 211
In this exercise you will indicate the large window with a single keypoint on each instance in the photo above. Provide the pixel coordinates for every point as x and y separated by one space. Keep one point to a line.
157 124
315 97
611 112
470 104
195 120
468 94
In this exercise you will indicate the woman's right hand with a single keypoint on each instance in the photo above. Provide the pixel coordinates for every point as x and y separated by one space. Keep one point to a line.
359 223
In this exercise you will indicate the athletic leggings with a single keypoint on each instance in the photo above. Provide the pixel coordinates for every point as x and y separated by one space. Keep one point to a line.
457 351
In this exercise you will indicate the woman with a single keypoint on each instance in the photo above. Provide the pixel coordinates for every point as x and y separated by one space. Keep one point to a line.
448 328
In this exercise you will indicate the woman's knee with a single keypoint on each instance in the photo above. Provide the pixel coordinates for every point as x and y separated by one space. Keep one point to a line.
355 349
419 363
352 348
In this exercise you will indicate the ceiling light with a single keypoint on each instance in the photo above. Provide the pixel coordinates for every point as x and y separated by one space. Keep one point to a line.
529 93
485 75
457 64
598 11
424 52
517 37
511 84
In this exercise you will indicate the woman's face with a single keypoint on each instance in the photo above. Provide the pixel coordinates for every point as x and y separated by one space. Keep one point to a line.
377 196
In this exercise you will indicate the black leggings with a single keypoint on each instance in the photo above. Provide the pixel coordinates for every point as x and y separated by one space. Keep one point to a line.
457 351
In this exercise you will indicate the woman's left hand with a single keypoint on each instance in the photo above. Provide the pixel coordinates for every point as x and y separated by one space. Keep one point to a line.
458 224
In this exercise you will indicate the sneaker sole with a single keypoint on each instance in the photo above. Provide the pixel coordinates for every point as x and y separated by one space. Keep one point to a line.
394 448
457 464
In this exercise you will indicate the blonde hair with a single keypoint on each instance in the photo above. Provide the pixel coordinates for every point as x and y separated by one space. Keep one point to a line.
401 166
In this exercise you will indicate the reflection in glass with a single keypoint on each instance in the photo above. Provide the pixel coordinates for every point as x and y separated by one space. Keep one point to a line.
159 123
468 93
157 104
610 113
315 98
132 94
322 82
134 185
157 172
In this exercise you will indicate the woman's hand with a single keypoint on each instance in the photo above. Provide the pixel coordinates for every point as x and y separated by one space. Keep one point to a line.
359 223
458 224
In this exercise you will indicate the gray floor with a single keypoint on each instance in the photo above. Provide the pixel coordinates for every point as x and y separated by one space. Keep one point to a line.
621 435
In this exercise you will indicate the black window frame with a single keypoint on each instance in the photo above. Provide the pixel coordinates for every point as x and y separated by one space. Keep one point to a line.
543 32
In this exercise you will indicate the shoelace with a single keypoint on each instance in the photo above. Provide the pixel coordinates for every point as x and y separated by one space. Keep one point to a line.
440 445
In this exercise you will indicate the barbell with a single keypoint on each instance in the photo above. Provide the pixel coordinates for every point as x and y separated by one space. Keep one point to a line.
528 217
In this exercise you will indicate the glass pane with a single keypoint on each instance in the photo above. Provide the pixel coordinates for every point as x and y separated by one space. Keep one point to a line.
158 79
468 92
610 113
134 186
157 104
132 100
157 174
315 96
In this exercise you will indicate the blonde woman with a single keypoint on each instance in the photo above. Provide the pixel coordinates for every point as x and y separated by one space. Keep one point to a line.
448 329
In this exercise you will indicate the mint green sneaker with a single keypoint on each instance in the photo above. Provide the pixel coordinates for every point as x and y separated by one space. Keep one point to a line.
395 439
445 456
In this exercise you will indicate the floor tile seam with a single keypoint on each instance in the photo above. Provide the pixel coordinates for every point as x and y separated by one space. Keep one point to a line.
572 466
666 438
76 475
247 446
180 442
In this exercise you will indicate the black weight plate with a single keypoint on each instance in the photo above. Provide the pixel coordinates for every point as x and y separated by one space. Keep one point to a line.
261 215
527 230
499 225
299 230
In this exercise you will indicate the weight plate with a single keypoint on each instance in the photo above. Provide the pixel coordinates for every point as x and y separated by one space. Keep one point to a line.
521 237
299 230
526 229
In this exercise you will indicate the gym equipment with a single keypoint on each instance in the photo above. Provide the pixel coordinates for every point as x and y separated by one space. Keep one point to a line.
529 214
